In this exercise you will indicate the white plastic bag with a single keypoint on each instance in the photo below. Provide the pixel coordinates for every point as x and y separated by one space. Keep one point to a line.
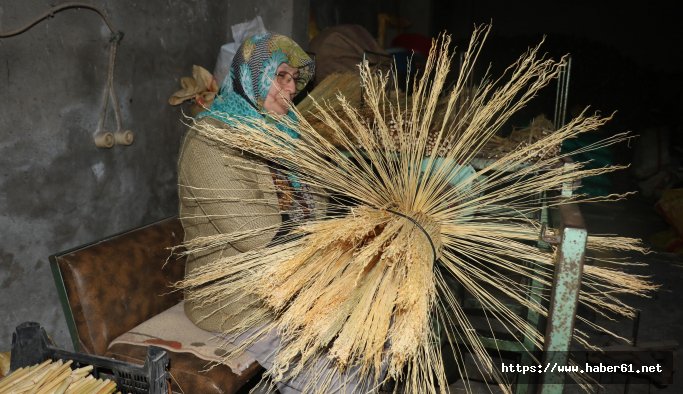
240 32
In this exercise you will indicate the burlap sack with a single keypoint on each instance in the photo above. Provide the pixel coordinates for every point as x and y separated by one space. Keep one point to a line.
235 192
340 49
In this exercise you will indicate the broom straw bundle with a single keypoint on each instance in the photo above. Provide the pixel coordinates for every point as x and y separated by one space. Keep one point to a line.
365 293
56 377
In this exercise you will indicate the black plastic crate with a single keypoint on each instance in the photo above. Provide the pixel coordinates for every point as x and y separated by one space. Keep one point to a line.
30 346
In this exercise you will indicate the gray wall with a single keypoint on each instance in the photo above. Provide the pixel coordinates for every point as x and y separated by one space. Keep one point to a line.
57 189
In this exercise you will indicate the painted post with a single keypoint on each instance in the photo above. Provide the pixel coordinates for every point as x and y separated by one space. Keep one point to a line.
564 298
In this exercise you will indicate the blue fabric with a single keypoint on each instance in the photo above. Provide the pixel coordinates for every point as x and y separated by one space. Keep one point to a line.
458 174
252 72
229 105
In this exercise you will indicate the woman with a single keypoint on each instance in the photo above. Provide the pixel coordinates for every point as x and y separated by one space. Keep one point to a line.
224 191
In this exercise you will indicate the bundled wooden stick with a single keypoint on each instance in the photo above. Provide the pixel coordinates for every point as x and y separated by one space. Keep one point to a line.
369 293
55 377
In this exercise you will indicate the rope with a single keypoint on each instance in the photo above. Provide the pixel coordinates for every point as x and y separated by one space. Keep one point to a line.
109 91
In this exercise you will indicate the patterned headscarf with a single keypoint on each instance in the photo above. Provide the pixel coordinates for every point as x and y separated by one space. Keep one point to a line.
252 72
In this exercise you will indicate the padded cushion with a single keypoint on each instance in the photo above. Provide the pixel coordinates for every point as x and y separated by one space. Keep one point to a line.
115 284
112 285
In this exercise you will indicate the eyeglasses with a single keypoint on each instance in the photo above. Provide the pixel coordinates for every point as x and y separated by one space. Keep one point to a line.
284 77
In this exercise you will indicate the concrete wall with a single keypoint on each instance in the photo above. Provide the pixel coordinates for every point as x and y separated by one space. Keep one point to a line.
288 17
57 189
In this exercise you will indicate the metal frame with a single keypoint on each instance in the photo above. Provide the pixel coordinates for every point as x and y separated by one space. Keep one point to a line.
564 296
571 243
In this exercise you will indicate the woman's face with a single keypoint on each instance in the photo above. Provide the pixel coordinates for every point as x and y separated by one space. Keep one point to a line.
282 90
